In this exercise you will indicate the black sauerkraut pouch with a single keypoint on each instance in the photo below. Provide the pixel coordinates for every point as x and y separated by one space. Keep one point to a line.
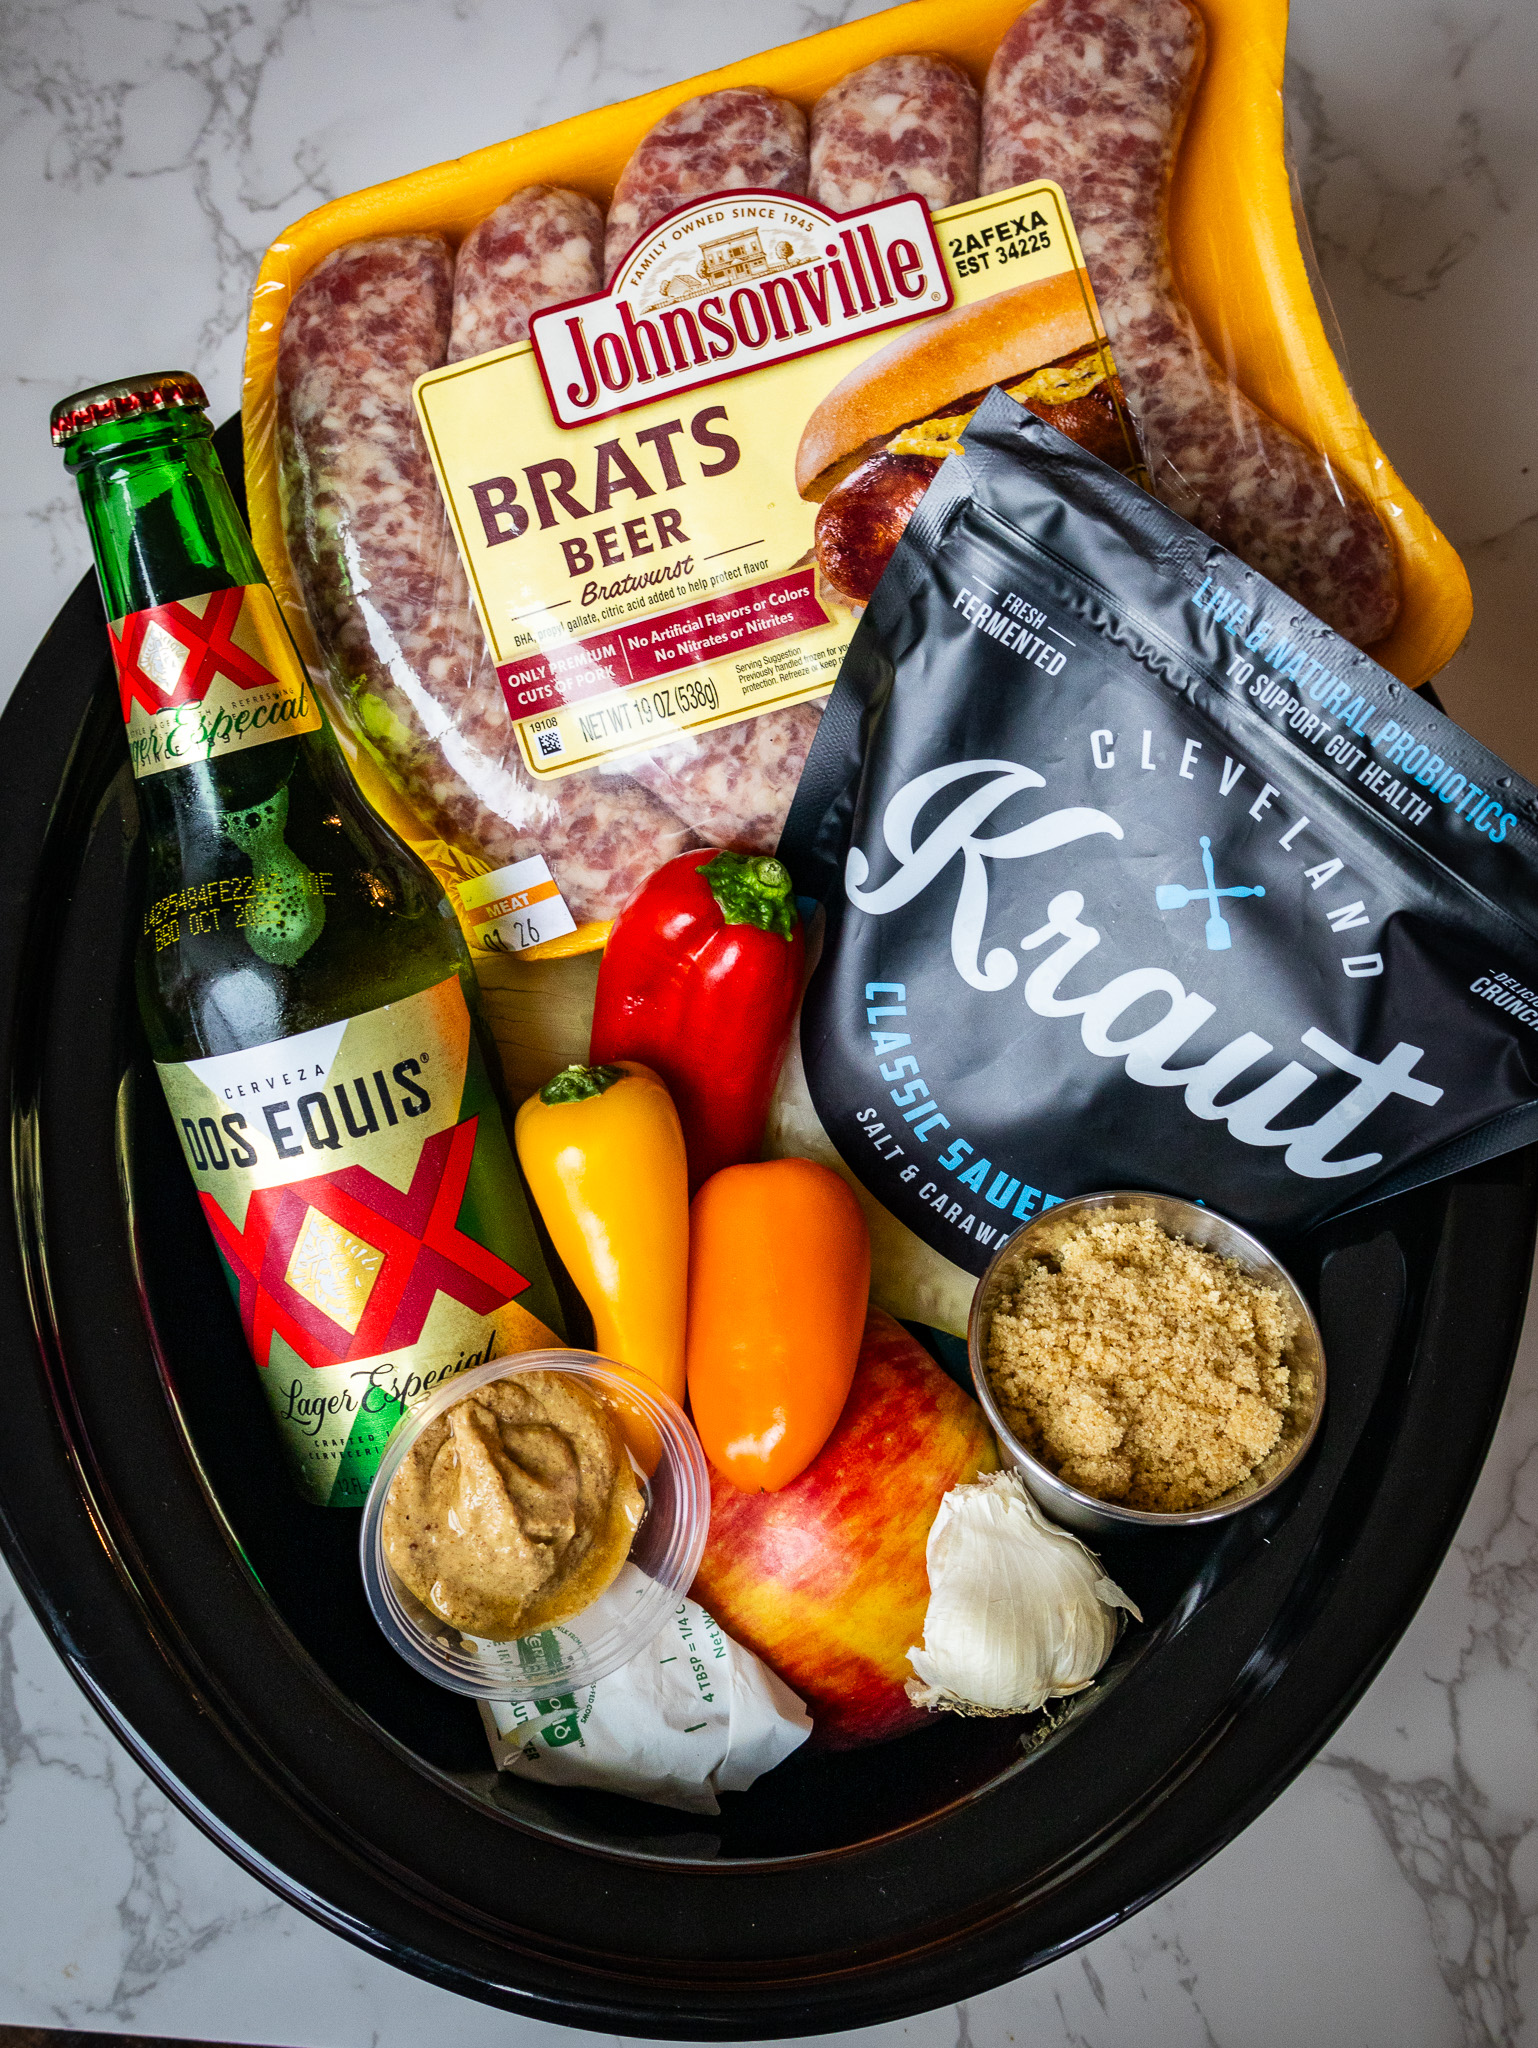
1137 875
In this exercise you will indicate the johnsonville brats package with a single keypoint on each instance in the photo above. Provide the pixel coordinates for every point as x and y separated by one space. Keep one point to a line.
575 461
1138 875
622 487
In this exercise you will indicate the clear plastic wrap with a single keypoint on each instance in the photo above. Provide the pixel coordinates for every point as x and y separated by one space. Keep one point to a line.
371 545
1161 121
1096 93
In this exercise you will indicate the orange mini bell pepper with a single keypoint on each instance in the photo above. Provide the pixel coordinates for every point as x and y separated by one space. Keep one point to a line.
604 1157
779 1282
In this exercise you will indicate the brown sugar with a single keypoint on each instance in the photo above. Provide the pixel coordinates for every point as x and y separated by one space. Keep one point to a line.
1140 1368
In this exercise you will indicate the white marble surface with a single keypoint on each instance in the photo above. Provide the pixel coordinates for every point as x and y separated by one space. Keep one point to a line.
149 149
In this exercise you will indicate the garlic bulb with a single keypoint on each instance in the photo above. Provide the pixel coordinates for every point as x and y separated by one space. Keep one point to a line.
1019 1611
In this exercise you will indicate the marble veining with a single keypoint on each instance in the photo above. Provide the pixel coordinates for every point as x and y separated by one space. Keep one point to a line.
150 150
1417 158
157 1926
1406 240
1463 1843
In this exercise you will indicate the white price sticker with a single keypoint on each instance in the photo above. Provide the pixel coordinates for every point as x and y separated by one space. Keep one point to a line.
513 908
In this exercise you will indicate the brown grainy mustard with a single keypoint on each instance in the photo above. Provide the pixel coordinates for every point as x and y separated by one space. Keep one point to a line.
515 1508
1141 1369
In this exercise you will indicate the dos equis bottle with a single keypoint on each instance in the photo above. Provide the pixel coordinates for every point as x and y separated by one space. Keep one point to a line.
306 991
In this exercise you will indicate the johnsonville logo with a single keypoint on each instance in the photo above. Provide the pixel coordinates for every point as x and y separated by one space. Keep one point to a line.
746 279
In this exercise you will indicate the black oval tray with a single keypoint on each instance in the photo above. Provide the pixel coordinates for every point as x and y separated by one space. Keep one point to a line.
219 1626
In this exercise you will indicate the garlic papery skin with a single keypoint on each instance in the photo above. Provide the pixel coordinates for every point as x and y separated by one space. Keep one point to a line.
1019 1611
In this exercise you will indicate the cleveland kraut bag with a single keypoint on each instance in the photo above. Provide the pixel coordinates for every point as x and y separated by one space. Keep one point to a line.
1137 875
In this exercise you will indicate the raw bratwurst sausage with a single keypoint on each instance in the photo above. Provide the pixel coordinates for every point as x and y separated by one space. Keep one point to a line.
903 124
600 832
540 248
365 526
743 139
1094 93
733 785
373 552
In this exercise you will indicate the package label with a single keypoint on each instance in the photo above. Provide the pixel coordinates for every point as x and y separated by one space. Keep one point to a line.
623 485
748 279
360 1187
208 676
598 678
509 909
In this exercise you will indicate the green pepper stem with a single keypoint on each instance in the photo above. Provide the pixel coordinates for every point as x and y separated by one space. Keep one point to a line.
579 1084
753 889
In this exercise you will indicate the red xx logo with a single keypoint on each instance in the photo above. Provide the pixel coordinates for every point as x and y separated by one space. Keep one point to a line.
423 1253
169 655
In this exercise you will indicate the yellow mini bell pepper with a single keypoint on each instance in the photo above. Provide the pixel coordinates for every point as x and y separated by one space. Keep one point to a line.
604 1156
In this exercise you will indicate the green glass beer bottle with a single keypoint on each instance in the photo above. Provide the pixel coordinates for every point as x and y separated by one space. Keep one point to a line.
306 990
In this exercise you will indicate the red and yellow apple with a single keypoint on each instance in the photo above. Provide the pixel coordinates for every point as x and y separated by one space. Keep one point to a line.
826 1579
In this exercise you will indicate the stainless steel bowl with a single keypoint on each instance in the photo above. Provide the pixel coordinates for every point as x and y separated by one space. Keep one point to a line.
1214 1233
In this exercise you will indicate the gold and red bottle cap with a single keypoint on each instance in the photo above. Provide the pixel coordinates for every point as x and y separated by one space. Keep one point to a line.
130 398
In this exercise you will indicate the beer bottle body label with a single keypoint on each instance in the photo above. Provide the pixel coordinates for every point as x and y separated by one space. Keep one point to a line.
209 676
361 1189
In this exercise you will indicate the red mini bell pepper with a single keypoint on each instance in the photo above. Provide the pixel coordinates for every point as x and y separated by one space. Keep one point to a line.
700 981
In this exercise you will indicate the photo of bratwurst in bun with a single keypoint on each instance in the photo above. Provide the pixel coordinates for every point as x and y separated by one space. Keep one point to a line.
872 446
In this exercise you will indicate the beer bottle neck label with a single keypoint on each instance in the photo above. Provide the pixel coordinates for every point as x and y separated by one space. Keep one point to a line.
208 676
361 1189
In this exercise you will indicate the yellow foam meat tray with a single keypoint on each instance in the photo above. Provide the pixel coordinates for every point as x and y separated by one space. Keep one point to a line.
1237 260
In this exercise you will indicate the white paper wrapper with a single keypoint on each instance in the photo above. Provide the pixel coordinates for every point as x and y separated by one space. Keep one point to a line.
693 1714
